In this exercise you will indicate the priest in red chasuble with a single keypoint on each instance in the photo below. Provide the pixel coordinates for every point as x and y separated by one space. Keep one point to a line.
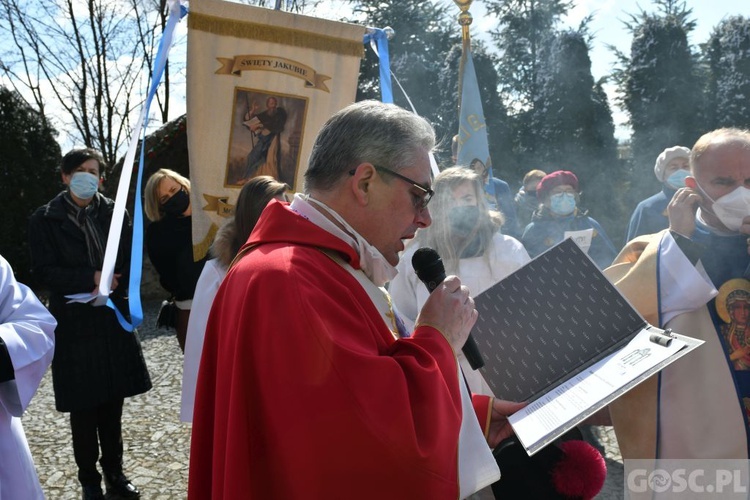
309 387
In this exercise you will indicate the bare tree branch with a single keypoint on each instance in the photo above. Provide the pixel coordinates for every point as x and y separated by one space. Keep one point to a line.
86 59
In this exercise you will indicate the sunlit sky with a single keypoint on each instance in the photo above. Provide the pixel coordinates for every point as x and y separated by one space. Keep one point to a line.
607 24
608 29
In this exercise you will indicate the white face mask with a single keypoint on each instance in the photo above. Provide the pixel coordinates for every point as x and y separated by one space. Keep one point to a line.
371 261
732 208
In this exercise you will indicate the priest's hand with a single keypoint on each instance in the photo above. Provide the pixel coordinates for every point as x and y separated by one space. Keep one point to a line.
450 309
499 426
681 211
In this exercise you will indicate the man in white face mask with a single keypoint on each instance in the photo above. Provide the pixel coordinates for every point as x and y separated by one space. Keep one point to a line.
309 387
721 176
673 278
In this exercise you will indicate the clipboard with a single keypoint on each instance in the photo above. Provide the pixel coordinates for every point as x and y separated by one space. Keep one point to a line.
554 322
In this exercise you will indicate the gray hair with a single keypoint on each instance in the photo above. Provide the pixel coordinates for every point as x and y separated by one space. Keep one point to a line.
368 131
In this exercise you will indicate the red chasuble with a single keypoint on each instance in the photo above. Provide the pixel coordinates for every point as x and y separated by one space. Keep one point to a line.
303 392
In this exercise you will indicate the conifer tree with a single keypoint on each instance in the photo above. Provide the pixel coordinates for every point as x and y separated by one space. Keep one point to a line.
524 28
661 90
728 56
423 34
29 157
573 123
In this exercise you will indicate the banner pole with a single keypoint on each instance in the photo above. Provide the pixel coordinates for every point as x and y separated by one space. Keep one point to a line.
464 20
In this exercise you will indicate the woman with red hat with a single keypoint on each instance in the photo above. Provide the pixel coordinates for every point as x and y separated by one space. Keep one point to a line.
559 217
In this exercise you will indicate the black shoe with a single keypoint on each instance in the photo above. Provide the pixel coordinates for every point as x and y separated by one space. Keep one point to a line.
118 486
92 492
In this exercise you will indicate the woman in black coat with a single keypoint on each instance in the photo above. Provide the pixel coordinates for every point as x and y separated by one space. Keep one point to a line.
97 363
169 241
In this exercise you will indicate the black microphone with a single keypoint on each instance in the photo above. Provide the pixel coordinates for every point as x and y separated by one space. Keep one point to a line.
430 270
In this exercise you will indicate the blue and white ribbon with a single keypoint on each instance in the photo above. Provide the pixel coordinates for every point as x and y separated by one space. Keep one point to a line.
176 12
378 39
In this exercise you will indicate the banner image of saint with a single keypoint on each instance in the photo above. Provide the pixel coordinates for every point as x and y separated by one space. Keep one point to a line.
266 132
260 84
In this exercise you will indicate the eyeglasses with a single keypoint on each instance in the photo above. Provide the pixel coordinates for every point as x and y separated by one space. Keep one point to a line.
420 202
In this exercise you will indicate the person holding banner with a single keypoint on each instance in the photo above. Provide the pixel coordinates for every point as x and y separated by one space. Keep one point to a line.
499 197
308 387
96 363
496 191
169 241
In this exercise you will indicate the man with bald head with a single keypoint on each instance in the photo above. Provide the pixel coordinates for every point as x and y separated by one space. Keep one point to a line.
698 407
308 386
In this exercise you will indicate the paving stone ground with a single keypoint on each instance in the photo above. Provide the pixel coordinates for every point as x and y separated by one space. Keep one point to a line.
156 443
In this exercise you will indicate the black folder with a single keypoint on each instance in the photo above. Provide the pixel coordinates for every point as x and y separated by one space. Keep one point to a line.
552 319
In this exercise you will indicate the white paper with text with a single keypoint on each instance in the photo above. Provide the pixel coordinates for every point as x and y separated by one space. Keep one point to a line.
563 404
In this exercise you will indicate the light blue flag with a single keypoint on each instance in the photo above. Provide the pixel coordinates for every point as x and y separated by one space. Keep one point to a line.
378 39
472 129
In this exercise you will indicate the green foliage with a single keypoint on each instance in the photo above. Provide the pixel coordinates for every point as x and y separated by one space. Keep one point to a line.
29 157
573 125
661 91
727 54
563 107
424 32
524 32
524 27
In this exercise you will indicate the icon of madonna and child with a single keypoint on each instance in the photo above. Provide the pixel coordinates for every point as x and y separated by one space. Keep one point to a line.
733 307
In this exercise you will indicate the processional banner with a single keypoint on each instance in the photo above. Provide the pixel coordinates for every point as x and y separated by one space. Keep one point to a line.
260 84
473 144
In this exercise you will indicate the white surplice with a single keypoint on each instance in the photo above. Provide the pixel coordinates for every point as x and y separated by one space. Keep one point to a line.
28 331
205 290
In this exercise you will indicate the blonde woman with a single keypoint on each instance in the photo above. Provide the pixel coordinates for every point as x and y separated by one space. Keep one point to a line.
465 233
169 241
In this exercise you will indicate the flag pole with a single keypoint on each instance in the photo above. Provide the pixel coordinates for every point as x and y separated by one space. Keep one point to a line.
472 140
464 19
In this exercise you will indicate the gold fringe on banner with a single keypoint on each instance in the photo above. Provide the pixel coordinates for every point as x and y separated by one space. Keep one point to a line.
274 34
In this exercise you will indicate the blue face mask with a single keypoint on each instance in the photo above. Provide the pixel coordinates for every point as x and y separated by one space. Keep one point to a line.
562 203
677 179
84 185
